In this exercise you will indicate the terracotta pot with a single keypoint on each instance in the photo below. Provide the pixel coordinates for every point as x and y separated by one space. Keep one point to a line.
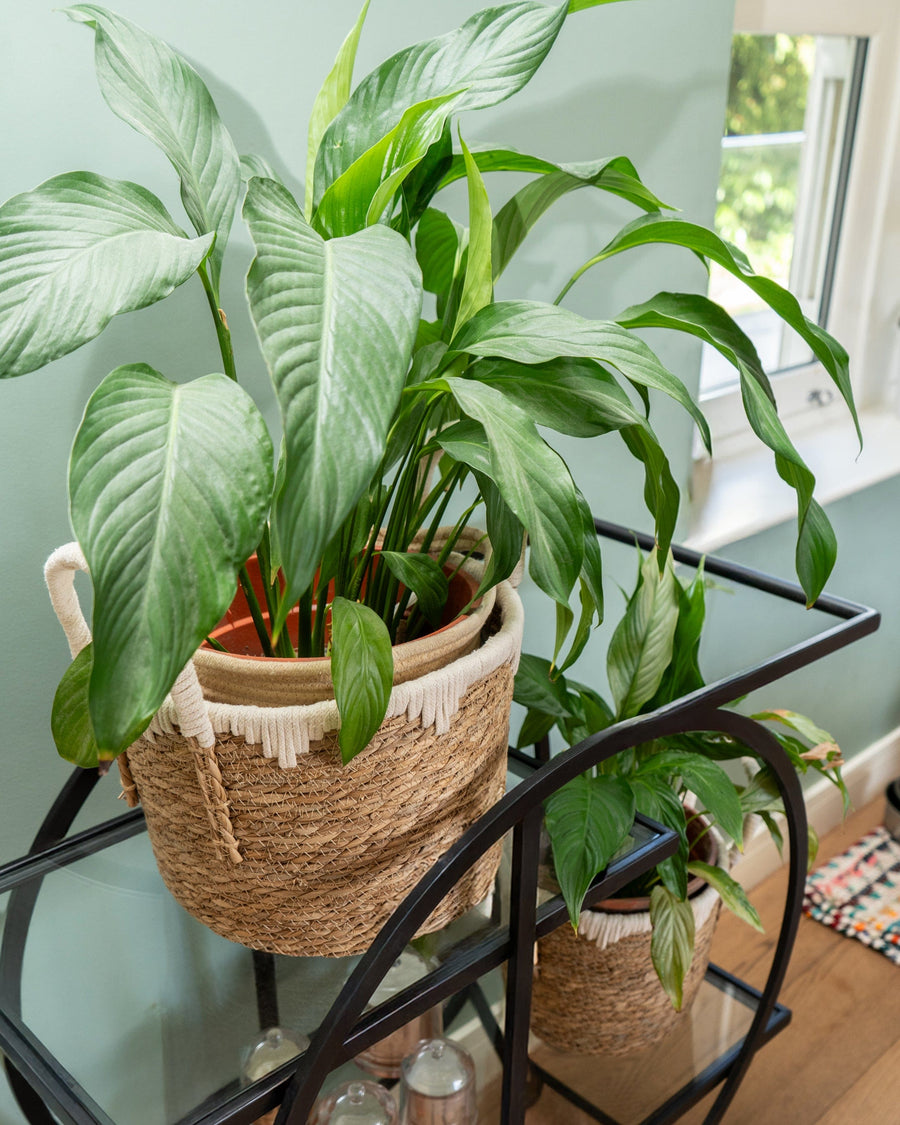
244 676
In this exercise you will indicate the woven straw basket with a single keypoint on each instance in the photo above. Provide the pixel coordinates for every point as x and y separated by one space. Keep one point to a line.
597 993
263 835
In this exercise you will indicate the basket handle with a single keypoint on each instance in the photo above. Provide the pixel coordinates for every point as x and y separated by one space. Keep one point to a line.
187 696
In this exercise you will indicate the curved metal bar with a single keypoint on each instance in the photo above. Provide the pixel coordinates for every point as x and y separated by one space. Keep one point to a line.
22 901
763 743
680 717
28 1101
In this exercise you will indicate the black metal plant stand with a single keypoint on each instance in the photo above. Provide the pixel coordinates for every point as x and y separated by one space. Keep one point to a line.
40 1081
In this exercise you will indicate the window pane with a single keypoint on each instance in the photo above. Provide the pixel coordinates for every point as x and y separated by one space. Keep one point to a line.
785 133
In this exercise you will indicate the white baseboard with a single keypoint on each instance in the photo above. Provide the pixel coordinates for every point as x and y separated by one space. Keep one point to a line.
866 775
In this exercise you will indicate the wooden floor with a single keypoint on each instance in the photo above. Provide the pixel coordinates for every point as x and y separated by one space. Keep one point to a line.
838 1062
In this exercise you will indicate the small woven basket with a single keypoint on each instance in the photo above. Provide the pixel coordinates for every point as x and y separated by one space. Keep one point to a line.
608 1001
263 835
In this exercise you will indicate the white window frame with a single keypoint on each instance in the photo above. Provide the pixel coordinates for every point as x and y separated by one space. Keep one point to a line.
864 308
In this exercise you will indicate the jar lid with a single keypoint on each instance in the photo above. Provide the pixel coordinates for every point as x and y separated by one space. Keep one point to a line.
356 1103
276 1046
438 1068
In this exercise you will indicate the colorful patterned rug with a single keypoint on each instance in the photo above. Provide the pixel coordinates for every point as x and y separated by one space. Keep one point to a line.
858 893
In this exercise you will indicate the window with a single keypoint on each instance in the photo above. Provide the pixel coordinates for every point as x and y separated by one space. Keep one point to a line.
789 136
844 264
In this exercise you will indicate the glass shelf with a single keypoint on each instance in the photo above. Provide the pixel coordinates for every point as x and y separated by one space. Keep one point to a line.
656 1084
140 1015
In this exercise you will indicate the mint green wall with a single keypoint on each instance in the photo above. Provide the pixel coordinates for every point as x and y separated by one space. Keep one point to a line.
645 79
599 94
854 694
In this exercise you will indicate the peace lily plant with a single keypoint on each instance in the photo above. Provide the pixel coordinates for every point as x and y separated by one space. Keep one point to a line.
174 484
652 660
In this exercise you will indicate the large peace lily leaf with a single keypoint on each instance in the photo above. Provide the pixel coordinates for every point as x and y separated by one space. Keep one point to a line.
158 93
330 100
74 253
535 483
516 218
683 674
362 667
730 891
70 722
672 941
359 196
478 286
686 312
439 242
641 646
616 175
587 820
679 232
572 396
534 332
491 56
714 788
337 321
169 488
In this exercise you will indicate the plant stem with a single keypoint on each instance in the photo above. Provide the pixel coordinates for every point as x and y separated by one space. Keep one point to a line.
223 333
255 611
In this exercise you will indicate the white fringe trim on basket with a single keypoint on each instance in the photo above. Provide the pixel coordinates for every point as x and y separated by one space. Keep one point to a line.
286 732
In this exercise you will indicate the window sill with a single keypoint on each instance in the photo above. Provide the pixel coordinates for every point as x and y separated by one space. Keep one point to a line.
739 493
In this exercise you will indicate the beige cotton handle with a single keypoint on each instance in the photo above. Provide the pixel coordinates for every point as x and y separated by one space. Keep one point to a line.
187 697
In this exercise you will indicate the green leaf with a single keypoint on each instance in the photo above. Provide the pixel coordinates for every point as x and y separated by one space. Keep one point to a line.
655 797
571 396
535 726
534 482
254 165
421 574
478 287
641 646
582 5
169 488
359 196
661 493
438 242
330 100
809 730
683 674
70 721
616 175
564 617
587 820
714 788
537 691
333 318
492 56
467 443
74 253
516 218
672 942
422 183
362 667
154 90
533 332
729 890
816 545
679 232
592 566
505 533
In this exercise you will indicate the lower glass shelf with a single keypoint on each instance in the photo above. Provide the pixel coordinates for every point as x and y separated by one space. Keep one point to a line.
650 1087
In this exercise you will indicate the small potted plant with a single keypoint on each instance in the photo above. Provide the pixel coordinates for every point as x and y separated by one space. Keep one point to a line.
597 985
401 383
